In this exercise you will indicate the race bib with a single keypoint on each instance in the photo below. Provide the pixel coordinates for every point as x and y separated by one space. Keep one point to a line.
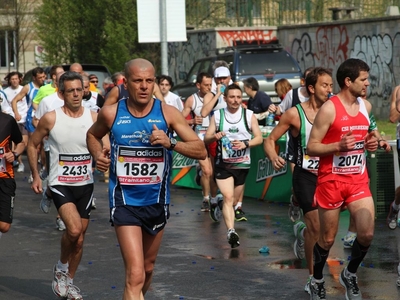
74 168
201 132
310 163
241 156
351 162
3 167
140 165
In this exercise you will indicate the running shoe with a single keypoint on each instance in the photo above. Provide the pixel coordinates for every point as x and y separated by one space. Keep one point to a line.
294 210
240 215
45 203
60 224
21 168
317 290
215 212
348 240
351 286
298 246
205 206
307 288
392 217
59 283
30 178
94 203
233 238
73 293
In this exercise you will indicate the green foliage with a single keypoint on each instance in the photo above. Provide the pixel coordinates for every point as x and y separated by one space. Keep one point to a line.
100 31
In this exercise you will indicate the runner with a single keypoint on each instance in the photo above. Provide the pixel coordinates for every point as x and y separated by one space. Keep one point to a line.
340 137
140 130
232 164
70 176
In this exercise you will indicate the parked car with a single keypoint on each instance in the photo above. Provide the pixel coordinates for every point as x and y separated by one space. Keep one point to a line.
265 62
101 72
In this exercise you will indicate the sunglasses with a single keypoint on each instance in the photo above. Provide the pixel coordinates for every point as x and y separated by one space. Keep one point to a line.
94 81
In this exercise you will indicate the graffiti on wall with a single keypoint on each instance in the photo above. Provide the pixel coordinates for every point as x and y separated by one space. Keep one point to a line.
231 37
331 46
181 56
377 52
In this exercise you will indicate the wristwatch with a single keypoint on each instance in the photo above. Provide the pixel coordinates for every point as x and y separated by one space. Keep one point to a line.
173 142
16 155
246 143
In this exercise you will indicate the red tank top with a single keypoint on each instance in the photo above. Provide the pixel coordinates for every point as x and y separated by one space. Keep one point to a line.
348 166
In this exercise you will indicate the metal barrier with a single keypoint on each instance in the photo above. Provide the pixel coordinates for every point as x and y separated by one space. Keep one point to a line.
240 13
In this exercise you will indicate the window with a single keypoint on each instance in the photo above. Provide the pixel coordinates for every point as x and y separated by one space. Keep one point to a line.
257 63
7 48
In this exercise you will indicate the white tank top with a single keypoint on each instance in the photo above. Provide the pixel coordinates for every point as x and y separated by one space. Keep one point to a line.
196 108
22 107
70 161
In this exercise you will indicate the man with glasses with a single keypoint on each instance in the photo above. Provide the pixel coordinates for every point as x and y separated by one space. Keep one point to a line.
93 79
70 177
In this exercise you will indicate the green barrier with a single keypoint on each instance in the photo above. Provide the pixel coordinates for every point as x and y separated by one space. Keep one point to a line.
262 182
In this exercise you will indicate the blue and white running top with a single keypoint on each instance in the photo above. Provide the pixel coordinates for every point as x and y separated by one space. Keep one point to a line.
29 98
139 172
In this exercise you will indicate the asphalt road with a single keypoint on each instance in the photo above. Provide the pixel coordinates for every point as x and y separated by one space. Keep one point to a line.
195 261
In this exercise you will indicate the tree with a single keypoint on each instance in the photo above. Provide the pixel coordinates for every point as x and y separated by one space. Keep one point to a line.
71 31
92 32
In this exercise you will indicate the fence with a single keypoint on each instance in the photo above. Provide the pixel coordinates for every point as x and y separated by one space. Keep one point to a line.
238 13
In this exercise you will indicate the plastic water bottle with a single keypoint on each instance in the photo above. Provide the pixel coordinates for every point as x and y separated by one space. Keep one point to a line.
197 128
226 143
222 89
270 119
330 95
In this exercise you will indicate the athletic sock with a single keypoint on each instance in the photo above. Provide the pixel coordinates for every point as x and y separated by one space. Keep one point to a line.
320 256
358 253
62 267
239 204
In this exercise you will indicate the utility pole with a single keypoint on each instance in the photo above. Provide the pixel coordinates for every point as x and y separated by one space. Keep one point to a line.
163 37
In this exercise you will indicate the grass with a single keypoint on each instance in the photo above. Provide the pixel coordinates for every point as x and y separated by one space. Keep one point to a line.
387 129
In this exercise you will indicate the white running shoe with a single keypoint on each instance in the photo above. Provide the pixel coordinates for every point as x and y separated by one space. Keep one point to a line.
21 168
60 224
59 283
30 178
73 293
294 210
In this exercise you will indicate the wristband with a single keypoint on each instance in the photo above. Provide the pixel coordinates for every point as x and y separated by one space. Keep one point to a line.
16 155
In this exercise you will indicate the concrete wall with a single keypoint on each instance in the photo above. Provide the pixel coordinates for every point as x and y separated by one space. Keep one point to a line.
376 41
